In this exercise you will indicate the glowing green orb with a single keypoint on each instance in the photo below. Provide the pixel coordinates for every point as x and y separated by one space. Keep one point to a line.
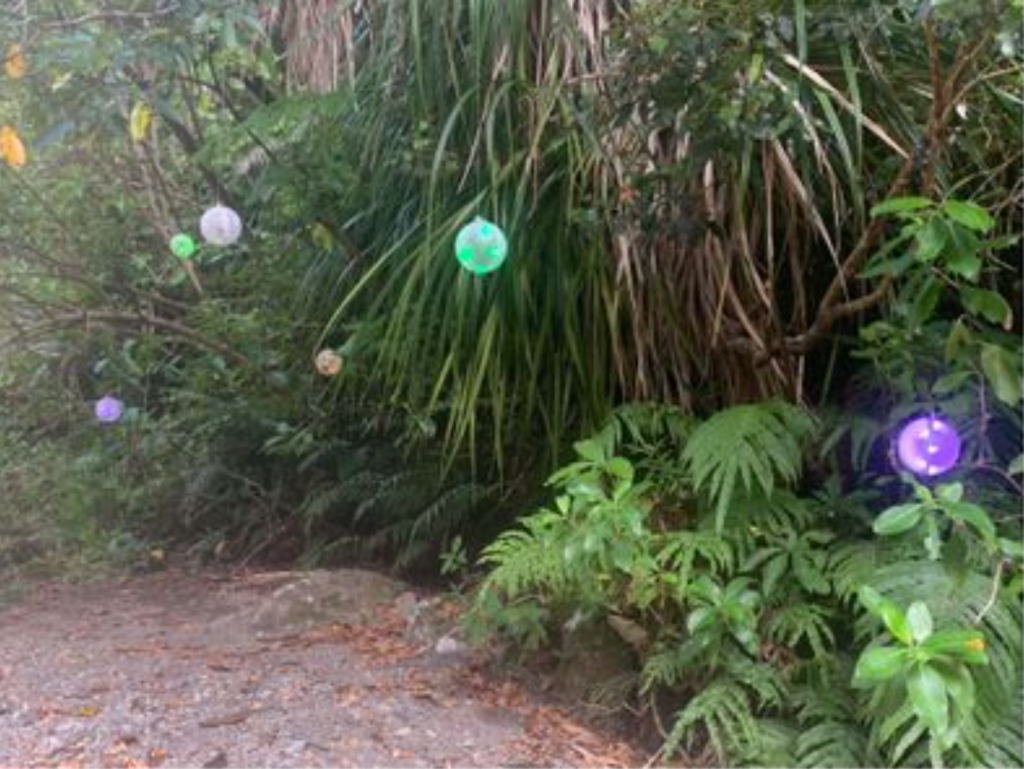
481 246
183 247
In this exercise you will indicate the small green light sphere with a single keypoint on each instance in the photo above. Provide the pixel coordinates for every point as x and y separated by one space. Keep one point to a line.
481 246
183 247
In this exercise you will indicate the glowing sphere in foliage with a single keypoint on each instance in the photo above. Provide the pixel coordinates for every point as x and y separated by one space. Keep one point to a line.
183 247
328 363
221 226
928 446
109 409
481 246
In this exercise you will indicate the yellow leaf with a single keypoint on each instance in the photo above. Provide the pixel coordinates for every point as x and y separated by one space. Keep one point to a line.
14 63
12 151
322 237
139 123
88 712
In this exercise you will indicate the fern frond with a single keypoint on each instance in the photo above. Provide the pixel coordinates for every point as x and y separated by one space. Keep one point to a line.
794 623
747 449
524 560
650 427
763 680
668 666
722 710
681 550
830 734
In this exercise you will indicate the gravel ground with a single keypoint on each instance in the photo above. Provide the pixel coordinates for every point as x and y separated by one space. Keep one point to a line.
165 670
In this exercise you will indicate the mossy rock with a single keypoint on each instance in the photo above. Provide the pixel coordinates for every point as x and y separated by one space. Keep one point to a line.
347 596
596 665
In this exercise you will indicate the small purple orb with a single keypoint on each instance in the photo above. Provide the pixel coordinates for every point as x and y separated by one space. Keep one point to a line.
109 409
928 446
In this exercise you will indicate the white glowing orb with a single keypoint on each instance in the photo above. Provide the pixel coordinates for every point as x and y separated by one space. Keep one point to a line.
221 226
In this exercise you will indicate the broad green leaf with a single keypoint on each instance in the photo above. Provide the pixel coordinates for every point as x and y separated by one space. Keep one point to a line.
926 299
989 305
930 240
962 244
870 599
964 265
1016 466
1011 548
698 619
929 697
975 516
883 263
880 664
960 684
969 215
747 638
586 486
920 621
958 643
900 205
958 341
890 614
883 266
950 492
590 450
1001 370
620 468
898 519
950 383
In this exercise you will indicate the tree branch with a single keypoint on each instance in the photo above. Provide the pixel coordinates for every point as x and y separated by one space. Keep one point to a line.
138 320
831 309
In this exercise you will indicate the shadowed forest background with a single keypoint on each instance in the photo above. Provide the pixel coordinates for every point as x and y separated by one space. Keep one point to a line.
748 243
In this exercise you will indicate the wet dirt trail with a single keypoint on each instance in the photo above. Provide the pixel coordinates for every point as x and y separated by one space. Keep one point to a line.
154 671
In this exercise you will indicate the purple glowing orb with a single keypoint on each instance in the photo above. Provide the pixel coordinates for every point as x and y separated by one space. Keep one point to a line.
109 409
928 446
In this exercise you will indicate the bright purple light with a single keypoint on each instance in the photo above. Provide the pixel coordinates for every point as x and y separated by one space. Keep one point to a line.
109 409
928 446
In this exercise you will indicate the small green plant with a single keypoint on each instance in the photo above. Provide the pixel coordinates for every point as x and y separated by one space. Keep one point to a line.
721 614
454 558
942 509
929 667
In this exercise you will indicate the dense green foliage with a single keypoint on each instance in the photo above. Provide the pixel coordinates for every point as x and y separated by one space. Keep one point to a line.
749 241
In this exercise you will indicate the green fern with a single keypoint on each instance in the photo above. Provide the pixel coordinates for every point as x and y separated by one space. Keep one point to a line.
722 712
681 551
524 560
730 711
747 450
670 664
830 734
794 623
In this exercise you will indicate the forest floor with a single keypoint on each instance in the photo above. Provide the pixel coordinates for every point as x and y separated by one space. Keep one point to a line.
165 669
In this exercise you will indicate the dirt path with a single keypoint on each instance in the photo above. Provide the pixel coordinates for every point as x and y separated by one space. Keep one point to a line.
149 672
